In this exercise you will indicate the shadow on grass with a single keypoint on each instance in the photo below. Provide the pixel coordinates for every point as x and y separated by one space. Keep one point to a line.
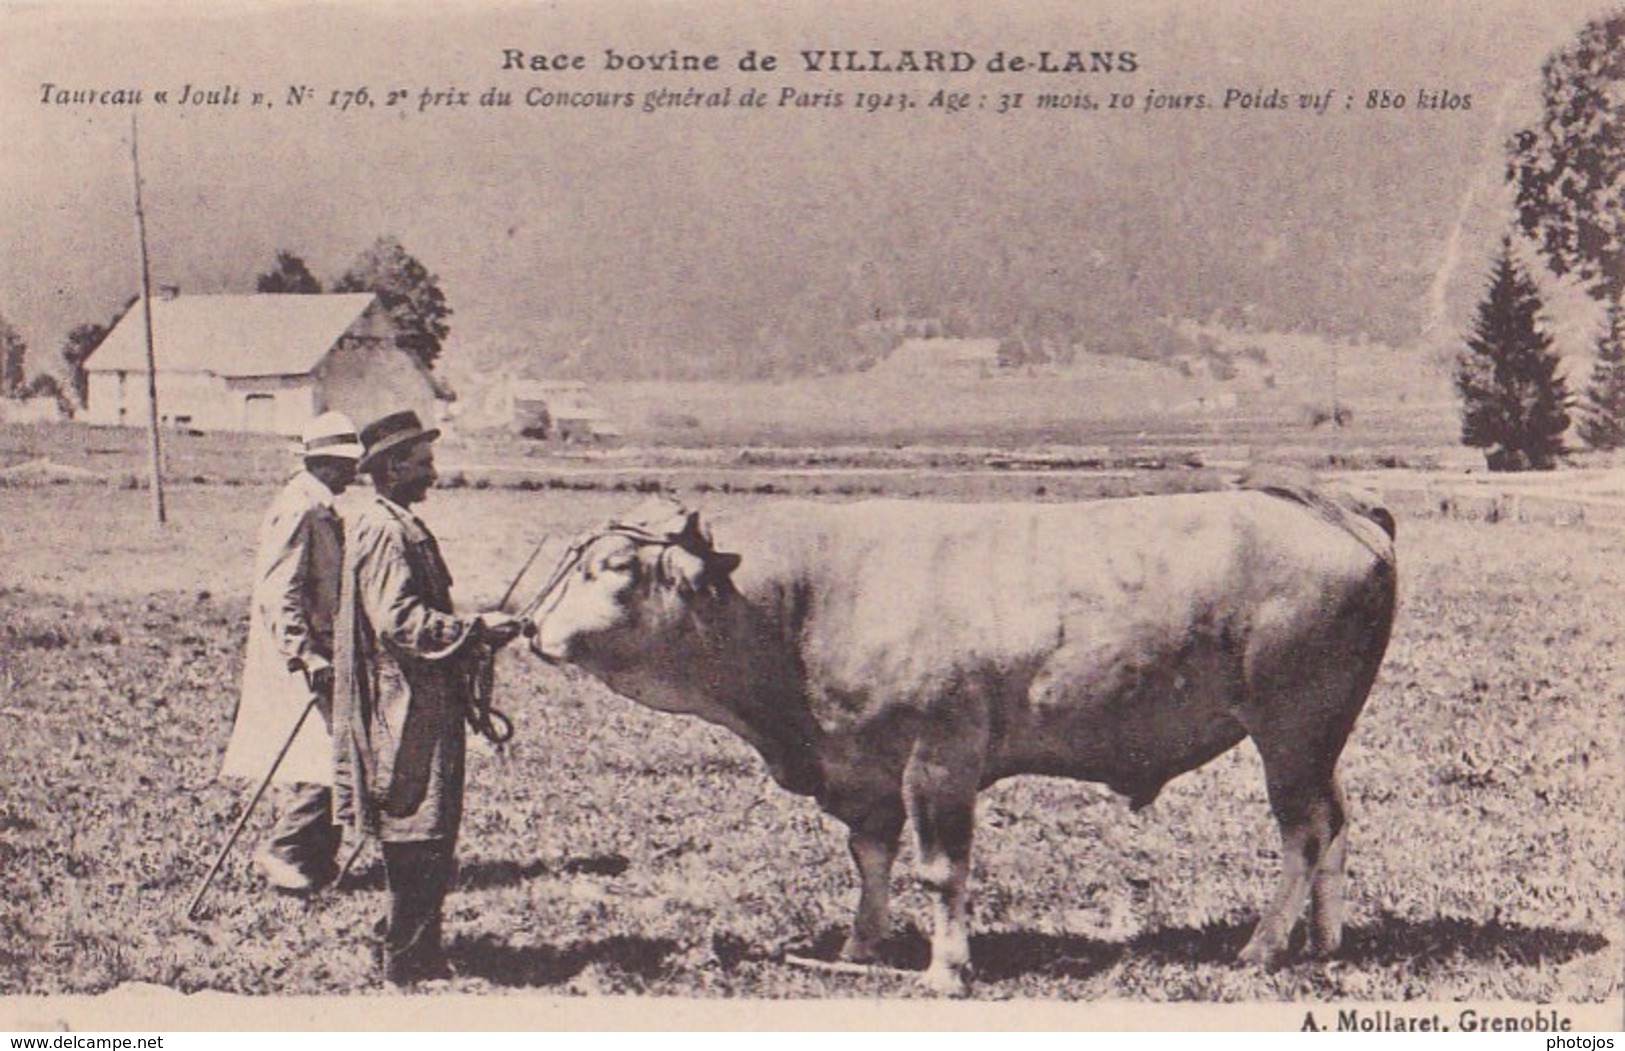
1393 939
494 874
602 865
490 875
1003 955
642 959
1390 940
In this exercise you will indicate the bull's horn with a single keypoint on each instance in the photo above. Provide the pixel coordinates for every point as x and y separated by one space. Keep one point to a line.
691 528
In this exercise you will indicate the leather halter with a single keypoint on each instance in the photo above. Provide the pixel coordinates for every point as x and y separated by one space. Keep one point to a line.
571 558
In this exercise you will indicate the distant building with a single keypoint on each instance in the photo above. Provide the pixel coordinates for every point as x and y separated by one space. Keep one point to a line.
974 358
264 363
559 409
31 410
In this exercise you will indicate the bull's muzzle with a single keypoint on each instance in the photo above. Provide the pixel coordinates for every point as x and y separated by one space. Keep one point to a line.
533 638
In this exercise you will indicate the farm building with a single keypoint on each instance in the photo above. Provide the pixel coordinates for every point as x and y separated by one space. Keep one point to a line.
964 358
264 363
31 410
559 409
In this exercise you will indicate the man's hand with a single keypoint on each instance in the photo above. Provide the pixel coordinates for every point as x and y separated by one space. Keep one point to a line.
498 629
320 679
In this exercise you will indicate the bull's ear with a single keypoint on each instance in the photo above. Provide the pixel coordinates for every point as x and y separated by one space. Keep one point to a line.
694 574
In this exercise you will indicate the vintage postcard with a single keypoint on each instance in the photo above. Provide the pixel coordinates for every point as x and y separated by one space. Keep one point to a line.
712 514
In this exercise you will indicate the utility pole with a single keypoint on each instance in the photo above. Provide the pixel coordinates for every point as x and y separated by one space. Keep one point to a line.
1337 403
155 447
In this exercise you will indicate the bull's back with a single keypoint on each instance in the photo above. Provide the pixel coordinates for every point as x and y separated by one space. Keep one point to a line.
1003 578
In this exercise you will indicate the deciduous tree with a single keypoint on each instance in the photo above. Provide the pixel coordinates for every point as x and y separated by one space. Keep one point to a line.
45 385
290 276
81 342
1569 167
408 291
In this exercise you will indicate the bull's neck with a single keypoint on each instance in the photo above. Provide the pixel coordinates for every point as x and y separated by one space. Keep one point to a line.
765 691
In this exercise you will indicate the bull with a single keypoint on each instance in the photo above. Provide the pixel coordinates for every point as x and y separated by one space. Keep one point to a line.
893 658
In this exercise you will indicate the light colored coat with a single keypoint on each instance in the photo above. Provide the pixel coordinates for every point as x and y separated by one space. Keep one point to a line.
290 628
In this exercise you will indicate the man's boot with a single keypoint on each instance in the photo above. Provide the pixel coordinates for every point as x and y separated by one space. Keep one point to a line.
418 875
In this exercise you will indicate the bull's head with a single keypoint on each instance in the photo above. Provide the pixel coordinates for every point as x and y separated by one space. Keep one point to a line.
630 593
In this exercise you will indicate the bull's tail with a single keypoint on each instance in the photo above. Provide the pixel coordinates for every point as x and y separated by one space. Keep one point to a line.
1357 512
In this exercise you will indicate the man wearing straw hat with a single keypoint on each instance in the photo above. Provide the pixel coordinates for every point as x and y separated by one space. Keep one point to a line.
403 688
290 659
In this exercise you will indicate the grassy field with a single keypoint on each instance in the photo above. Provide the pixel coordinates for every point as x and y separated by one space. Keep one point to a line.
1115 402
616 850
1394 401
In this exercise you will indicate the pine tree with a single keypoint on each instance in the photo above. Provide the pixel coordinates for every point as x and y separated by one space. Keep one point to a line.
1602 417
1515 406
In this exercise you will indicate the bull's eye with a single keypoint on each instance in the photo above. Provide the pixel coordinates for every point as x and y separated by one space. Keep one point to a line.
619 564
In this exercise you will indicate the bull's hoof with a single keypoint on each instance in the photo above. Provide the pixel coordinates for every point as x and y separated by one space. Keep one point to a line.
1264 953
858 950
947 981
1325 944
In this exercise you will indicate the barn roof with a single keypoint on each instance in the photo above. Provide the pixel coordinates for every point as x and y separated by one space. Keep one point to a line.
255 335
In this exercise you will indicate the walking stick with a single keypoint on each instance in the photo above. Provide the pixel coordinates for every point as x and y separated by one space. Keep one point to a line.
231 841
349 862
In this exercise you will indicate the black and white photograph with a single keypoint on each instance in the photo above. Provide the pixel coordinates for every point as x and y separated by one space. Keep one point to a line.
672 514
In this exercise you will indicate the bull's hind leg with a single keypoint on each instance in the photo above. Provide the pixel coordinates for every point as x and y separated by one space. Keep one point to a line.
1309 811
940 784
1304 698
872 839
1328 887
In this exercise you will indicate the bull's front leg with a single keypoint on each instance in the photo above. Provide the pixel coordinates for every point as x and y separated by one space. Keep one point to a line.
940 786
873 843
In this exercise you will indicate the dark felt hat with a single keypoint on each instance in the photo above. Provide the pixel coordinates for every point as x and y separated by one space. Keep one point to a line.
395 431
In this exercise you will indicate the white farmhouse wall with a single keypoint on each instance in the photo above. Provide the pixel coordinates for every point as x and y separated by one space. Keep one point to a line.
202 401
191 399
105 399
284 403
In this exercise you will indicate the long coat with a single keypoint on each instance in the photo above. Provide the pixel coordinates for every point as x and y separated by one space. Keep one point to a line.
401 681
290 628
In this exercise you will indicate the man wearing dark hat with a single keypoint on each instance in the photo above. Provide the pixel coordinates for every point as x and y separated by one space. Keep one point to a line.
403 686
289 668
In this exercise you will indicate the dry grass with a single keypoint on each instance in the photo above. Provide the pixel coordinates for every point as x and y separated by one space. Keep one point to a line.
616 850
